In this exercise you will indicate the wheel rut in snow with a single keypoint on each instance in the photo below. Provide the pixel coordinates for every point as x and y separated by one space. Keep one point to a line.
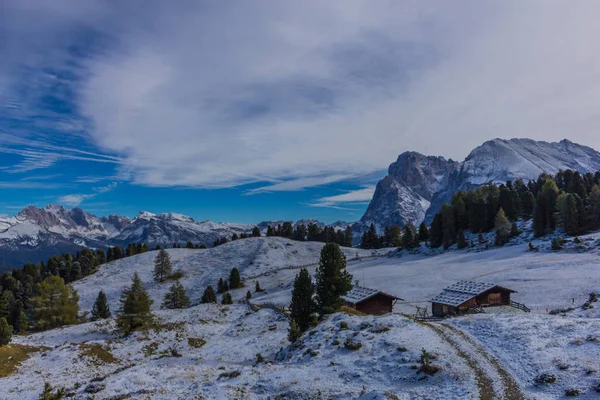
493 381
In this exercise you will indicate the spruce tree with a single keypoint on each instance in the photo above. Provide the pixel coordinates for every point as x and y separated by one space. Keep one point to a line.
258 289
56 304
5 332
176 297
303 303
134 313
227 299
514 230
527 205
448 226
255 232
100 310
408 236
162 266
248 295
235 281
348 236
333 281
209 295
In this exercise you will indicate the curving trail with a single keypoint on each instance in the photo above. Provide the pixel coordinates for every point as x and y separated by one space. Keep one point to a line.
494 382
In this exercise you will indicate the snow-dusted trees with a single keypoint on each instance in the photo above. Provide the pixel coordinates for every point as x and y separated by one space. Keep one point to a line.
333 281
56 304
134 313
303 304
176 297
100 310
162 266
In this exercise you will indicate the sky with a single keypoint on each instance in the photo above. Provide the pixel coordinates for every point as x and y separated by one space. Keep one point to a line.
245 111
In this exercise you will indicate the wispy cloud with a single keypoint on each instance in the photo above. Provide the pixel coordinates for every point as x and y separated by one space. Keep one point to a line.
282 92
341 201
75 199
293 185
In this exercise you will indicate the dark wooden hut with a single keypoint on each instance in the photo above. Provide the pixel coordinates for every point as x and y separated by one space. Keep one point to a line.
370 301
466 296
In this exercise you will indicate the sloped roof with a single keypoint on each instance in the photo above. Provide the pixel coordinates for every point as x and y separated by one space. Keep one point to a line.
463 291
360 293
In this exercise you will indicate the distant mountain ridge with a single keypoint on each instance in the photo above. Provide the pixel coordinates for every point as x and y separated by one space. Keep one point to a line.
35 233
417 185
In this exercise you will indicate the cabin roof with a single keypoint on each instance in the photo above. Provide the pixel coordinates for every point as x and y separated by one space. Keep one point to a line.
462 291
360 293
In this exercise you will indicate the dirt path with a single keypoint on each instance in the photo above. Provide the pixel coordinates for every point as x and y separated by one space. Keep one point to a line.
493 381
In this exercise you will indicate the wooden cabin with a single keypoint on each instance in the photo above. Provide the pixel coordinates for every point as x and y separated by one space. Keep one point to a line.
465 296
370 301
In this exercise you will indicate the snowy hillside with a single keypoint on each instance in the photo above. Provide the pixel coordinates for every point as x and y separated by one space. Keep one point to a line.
418 185
209 351
38 233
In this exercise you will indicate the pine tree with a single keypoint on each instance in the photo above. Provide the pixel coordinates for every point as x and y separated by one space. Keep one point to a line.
514 230
235 281
5 332
100 310
227 299
255 232
294 333
348 236
423 232
6 303
461 241
544 221
502 227
270 231
56 304
527 205
162 266
332 279
176 297
258 289
303 303
134 313
209 296
248 295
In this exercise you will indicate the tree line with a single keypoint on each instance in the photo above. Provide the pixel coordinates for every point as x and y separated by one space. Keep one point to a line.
40 297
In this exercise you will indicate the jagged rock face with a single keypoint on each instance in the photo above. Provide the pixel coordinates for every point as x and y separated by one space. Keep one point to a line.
417 185
406 193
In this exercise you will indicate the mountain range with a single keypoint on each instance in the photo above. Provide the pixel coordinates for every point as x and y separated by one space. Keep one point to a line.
414 190
418 185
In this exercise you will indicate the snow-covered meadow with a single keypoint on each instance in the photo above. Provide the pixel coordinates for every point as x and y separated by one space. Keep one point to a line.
198 352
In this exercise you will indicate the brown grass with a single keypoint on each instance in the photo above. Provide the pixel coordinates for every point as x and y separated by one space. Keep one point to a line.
12 355
196 342
97 354
351 311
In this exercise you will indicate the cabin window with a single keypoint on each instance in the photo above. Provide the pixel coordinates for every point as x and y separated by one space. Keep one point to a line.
495 298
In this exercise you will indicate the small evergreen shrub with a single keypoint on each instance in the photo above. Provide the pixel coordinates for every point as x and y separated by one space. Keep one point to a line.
545 378
426 366
259 358
343 325
571 392
49 394
352 344
557 243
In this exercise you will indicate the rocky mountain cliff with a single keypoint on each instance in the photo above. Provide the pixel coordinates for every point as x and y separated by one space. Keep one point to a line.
417 185
38 233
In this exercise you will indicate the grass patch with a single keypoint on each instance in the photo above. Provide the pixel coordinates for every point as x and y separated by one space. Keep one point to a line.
196 343
150 349
97 354
12 355
351 311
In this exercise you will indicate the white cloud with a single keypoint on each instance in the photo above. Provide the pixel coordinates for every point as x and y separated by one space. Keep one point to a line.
300 184
359 196
223 94
73 200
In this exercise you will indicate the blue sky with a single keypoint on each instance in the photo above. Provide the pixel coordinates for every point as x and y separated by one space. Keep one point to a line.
248 111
